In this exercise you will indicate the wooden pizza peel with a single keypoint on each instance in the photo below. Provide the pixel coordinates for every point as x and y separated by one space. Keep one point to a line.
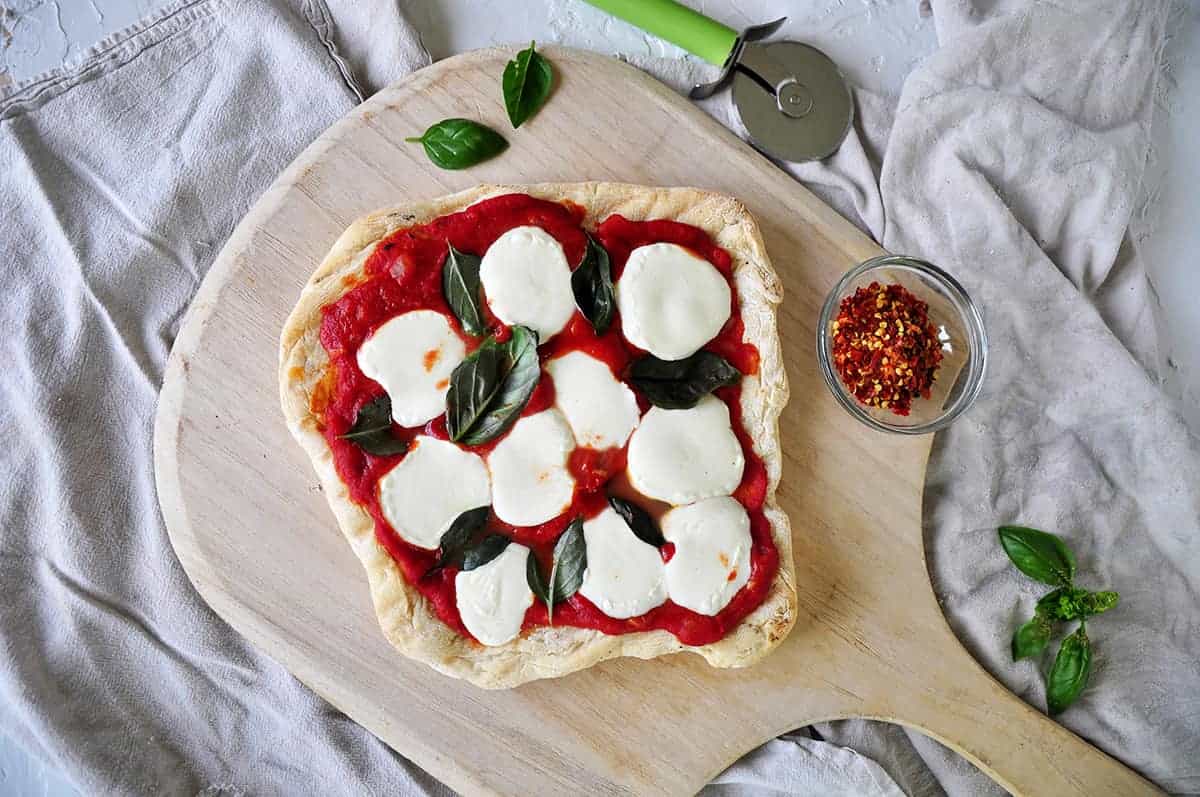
247 519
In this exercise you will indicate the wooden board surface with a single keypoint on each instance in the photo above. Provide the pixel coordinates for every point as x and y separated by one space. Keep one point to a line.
257 539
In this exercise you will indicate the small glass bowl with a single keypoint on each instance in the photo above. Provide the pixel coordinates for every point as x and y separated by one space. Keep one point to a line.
964 344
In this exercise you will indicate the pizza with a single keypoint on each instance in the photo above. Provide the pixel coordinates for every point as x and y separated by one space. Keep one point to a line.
546 420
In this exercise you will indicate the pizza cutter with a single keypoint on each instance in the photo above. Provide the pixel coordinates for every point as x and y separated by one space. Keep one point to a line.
791 97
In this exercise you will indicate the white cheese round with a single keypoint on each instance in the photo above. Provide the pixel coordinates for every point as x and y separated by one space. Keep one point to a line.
435 483
712 553
681 456
492 599
624 576
671 301
412 357
601 410
527 281
530 480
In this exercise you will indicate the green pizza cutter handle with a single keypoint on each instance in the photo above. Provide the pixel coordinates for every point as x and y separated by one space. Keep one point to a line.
792 99
678 24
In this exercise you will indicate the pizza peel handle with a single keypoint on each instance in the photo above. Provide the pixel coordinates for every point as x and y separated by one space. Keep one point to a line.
676 23
952 699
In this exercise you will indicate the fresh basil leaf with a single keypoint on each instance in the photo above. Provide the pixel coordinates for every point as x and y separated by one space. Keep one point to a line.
473 384
680 384
638 520
592 284
1031 638
1039 555
457 538
521 371
1070 672
527 82
484 551
570 560
566 569
460 286
1097 602
459 143
372 429
535 579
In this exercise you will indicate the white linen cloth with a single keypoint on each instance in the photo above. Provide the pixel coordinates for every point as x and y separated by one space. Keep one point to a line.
1013 160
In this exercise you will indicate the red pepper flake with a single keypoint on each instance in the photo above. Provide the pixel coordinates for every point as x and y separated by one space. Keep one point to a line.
885 348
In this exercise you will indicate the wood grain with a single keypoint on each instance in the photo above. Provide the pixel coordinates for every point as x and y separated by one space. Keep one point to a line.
253 532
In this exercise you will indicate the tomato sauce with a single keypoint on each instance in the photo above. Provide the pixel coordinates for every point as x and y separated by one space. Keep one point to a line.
404 274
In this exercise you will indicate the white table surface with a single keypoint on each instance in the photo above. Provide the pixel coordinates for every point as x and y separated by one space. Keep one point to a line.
876 42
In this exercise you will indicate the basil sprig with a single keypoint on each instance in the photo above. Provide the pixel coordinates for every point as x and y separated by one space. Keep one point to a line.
460 286
527 82
372 429
680 384
638 520
566 570
457 539
1046 558
459 143
490 387
591 282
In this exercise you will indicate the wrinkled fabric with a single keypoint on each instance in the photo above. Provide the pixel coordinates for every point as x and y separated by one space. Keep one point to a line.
1012 159
796 764
119 182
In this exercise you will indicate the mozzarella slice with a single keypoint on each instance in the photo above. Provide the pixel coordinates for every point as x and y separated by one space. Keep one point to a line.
435 483
601 410
624 576
527 281
712 553
492 599
671 301
530 480
681 456
412 356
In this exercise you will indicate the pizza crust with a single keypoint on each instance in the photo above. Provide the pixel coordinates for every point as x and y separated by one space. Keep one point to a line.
547 652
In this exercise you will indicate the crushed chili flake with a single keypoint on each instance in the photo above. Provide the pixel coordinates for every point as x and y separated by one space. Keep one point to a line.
885 348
